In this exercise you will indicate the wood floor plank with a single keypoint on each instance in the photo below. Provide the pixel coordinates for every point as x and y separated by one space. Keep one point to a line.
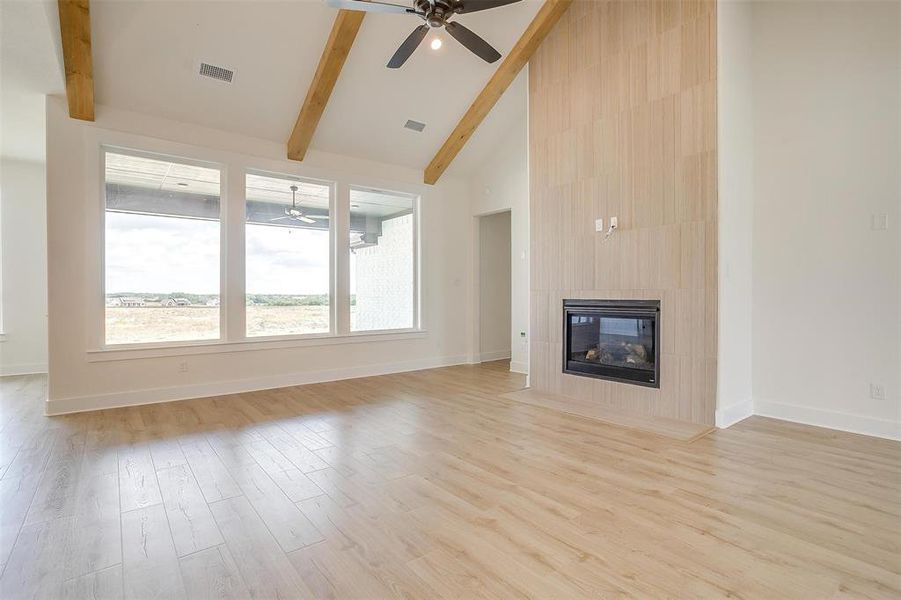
99 585
264 567
40 561
138 486
15 499
432 484
212 574
212 476
150 567
190 520
296 485
288 525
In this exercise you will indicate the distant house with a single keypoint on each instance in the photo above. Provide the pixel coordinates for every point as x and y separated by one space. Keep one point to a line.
212 302
131 301
177 302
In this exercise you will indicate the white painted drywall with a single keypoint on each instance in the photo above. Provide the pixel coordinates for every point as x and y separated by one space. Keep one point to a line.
735 144
494 286
23 218
503 184
826 287
79 380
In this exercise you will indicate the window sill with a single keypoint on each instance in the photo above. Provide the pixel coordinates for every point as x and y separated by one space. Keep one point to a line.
114 353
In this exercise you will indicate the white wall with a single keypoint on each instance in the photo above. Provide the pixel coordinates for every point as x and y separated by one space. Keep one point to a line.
826 286
494 286
23 217
735 144
503 184
82 378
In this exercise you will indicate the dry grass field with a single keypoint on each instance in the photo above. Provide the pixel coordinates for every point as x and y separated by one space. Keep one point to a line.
185 323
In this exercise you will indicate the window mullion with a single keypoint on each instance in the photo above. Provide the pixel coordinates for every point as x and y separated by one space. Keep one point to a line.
233 309
341 259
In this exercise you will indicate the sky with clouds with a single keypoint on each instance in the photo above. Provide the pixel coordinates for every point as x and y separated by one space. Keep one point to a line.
160 255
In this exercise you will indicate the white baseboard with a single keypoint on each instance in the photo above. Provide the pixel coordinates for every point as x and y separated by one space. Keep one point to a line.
489 356
23 369
63 406
730 415
519 367
882 428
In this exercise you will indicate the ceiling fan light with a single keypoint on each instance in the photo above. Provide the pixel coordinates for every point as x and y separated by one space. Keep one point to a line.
436 43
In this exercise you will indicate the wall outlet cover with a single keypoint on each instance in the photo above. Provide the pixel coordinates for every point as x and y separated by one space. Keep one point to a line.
877 392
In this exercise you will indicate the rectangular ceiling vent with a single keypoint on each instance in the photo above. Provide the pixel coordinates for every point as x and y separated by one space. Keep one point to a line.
414 125
214 72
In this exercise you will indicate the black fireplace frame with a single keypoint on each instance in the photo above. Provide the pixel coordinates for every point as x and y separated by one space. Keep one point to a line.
618 308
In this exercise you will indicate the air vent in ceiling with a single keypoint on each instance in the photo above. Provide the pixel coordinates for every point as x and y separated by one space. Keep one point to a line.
414 125
214 72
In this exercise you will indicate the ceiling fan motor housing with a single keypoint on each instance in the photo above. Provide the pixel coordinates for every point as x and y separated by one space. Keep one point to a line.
436 12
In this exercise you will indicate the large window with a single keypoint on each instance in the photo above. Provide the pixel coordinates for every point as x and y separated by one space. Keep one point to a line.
287 256
382 260
162 250
319 258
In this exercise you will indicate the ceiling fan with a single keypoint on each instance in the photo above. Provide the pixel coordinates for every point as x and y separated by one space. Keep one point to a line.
295 214
435 13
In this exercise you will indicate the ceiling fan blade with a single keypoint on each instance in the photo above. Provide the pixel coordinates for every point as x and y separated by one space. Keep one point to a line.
473 42
306 219
369 6
469 6
408 47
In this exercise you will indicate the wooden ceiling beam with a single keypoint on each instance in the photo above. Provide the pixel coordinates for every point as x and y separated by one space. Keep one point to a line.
340 40
75 32
516 59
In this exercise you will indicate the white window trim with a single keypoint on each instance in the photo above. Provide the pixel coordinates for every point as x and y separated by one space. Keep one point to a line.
138 351
232 325
332 229
223 226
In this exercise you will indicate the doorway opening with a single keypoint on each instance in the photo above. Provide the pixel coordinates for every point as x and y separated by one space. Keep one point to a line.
495 287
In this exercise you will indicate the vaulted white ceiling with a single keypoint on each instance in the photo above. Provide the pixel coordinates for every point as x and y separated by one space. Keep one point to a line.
146 56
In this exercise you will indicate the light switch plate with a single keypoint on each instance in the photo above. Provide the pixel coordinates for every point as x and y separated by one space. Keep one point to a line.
879 222
599 225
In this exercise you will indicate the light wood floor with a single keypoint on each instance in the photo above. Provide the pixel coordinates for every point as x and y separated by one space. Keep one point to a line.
429 485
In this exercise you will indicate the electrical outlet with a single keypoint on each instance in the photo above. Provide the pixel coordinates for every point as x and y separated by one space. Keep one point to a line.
879 222
183 367
614 222
599 225
877 392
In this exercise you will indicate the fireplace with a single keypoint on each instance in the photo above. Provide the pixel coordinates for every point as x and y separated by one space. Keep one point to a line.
617 340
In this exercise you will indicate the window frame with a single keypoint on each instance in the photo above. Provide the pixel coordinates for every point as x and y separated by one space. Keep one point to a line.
233 168
332 229
223 230
417 295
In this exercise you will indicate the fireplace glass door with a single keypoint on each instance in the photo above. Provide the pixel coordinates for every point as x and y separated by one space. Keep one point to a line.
615 340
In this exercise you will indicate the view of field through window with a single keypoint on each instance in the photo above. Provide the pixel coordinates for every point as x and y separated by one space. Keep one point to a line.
162 251
162 256
287 256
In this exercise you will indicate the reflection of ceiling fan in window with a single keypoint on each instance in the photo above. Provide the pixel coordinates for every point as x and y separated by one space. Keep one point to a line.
296 214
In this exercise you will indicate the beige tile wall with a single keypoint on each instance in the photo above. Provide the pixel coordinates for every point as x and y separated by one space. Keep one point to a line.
622 122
